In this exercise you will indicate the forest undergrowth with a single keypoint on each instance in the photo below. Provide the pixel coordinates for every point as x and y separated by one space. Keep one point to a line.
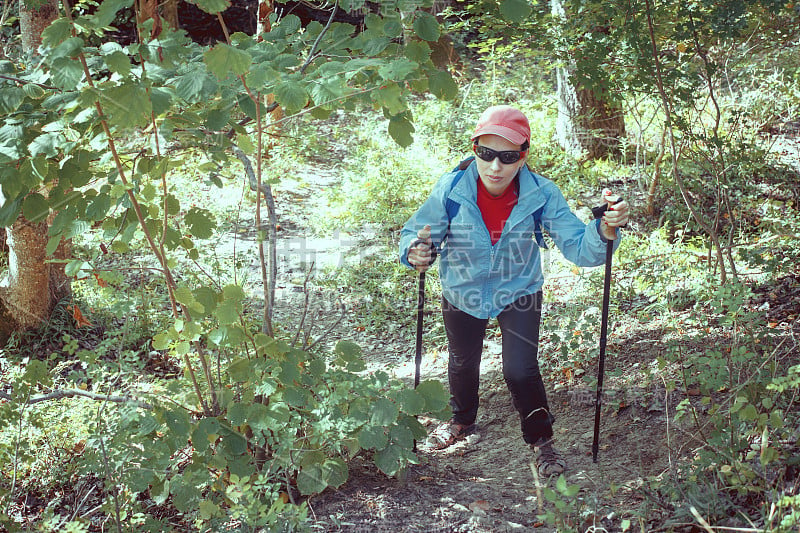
106 426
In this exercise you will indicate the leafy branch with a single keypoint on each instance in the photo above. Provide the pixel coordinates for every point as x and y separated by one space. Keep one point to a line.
71 393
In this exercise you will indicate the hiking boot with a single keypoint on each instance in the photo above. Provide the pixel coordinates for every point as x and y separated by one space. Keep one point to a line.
448 433
548 460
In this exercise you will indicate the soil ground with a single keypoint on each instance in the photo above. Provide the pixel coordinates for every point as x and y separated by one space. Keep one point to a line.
488 485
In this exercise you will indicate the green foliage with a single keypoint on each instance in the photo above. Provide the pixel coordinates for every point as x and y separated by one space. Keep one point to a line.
567 507
92 136
745 410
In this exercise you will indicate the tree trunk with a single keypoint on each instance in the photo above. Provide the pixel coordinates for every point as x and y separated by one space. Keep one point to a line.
169 10
263 25
146 10
588 126
31 286
32 21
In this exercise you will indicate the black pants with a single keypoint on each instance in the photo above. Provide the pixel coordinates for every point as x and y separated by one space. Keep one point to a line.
519 325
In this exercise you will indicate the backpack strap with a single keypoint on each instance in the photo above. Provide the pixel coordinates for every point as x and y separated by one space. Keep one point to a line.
452 207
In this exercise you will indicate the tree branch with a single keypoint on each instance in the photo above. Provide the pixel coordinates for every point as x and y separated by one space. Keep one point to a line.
26 82
71 393
315 46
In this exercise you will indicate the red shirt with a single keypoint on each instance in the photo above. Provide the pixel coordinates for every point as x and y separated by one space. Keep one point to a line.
495 210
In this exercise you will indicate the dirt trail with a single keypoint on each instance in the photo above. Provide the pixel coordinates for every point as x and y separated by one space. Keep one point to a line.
487 486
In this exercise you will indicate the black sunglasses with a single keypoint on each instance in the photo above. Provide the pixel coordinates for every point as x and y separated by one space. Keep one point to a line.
506 157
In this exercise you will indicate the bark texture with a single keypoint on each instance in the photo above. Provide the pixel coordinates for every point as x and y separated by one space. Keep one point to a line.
170 13
31 286
588 126
26 287
33 21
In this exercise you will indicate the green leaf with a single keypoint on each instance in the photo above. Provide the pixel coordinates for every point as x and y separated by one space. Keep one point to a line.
66 73
185 493
426 26
75 228
328 90
237 413
201 223
35 207
402 436
393 28
248 106
569 491
227 312
383 413
52 245
118 62
224 59
183 295
233 293
208 509
401 130
70 48
261 76
206 431
398 69
190 85
40 167
10 210
32 90
36 372
75 267
389 459
515 10
212 6
217 119
56 32
73 173
375 46
126 106
46 144
390 97
10 133
10 99
107 11
410 401
413 425
285 62
207 297
349 356
335 472
178 421
310 480
291 95
442 85
435 395
372 437
748 413
98 208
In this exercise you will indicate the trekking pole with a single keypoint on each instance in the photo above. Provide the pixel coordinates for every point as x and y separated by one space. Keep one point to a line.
422 235
598 213
420 318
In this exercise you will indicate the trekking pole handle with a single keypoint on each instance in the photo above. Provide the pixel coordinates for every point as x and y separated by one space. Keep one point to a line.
600 210
422 236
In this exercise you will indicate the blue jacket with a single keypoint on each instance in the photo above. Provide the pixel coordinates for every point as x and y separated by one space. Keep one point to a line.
480 278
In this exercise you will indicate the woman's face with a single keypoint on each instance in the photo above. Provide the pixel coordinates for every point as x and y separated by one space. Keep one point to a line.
496 176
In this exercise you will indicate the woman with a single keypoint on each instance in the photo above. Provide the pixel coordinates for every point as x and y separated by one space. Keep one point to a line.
485 220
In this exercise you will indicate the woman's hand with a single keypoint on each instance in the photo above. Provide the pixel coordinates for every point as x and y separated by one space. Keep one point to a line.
616 216
420 254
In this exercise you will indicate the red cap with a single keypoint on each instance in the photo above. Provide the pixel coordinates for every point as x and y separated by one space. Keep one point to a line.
505 121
